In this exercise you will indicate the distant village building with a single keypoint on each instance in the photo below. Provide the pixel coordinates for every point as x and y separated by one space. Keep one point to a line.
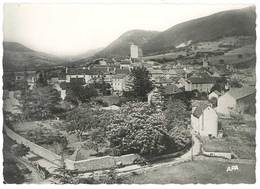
204 120
120 83
133 51
161 94
197 83
155 97
29 76
240 100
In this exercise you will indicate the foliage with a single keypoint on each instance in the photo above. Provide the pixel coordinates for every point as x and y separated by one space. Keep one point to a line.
141 83
235 83
177 122
97 139
77 93
40 103
220 85
42 80
20 150
12 174
214 101
102 86
46 136
85 119
176 111
138 128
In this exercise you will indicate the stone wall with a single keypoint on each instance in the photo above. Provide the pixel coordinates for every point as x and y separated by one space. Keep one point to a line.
42 152
226 155
106 162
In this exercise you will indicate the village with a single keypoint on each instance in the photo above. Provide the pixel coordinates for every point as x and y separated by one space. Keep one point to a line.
129 93
79 118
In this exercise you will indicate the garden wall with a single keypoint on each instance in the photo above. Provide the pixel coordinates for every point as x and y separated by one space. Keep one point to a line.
226 155
42 152
106 162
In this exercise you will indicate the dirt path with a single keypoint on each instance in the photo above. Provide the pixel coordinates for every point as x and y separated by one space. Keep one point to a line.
35 177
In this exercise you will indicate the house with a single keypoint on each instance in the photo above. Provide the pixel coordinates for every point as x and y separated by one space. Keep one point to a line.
29 76
155 97
87 74
198 83
204 120
239 100
159 94
120 83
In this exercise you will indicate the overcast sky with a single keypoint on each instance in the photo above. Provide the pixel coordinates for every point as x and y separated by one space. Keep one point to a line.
71 29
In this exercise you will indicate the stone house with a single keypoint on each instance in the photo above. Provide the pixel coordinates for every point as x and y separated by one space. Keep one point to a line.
239 100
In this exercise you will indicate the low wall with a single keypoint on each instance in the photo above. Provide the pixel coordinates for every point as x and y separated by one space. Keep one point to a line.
226 155
106 162
42 152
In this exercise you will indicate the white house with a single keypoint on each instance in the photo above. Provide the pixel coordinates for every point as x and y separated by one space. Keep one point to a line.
204 120
120 83
238 100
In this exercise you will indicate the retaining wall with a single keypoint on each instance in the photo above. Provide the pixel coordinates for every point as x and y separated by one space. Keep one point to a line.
105 162
42 152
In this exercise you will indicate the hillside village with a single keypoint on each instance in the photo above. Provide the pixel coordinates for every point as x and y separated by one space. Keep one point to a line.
124 115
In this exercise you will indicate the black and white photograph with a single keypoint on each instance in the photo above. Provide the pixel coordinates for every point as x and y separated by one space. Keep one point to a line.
129 93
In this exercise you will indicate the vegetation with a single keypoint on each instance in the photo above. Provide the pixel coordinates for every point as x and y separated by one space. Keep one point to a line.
138 128
77 93
40 103
20 150
141 83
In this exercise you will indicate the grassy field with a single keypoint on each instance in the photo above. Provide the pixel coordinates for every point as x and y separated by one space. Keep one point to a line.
239 139
199 171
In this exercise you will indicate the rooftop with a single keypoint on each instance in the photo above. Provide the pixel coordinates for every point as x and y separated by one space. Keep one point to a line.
239 93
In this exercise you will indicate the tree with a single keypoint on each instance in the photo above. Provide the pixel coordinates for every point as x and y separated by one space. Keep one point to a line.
138 128
235 83
219 85
79 120
40 103
141 83
42 80
77 93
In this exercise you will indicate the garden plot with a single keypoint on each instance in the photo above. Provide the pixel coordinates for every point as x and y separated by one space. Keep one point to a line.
51 134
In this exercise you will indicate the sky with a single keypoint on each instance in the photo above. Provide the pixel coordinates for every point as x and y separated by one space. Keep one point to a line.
72 29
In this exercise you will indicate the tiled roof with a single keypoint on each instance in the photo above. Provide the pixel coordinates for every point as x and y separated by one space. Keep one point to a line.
199 80
217 92
239 93
171 89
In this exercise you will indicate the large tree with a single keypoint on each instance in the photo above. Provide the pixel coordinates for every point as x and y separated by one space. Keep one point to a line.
142 84
138 128
40 103
77 93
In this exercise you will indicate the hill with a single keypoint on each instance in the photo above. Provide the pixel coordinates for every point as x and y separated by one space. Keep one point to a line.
18 57
120 47
227 23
